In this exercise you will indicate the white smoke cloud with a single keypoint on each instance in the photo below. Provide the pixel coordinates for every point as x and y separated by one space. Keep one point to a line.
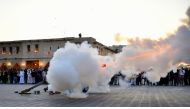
160 56
75 67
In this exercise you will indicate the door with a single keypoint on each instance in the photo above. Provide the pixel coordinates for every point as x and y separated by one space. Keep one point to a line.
34 64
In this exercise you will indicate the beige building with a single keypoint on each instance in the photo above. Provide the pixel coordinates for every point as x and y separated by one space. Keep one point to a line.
117 48
37 53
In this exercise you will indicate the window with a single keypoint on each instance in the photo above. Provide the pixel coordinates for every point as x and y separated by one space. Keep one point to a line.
4 50
36 48
48 52
28 48
10 50
17 50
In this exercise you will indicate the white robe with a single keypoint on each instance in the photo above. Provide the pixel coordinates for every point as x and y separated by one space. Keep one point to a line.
29 77
44 75
21 77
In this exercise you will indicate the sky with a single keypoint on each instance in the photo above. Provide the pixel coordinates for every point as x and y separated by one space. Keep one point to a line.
101 19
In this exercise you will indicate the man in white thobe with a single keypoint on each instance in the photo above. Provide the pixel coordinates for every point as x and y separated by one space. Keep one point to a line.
21 77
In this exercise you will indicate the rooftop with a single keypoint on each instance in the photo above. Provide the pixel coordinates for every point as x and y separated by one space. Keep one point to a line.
52 39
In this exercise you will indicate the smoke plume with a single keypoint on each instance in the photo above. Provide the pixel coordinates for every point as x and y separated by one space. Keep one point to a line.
76 67
156 57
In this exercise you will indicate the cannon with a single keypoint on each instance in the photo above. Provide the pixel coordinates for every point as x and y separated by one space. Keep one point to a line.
26 91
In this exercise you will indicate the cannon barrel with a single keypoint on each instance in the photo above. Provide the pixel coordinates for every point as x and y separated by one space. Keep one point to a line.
25 91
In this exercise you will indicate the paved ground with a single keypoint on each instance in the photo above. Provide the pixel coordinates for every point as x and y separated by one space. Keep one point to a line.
139 96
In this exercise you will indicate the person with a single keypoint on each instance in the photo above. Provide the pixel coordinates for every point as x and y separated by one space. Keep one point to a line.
11 75
18 76
166 80
170 78
38 76
181 76
5 77
33 73
85 89
44 75
133 79
0 76
186 77
138 79
15 78
112 81
149 83
21 77
143 78
29 76
25 76
116 80
188 73
175 77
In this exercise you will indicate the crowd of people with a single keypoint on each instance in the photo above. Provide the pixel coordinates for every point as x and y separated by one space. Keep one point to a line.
179 78
22 76
32 76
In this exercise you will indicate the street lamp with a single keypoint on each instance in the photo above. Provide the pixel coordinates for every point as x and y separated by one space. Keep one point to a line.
23 64
8 64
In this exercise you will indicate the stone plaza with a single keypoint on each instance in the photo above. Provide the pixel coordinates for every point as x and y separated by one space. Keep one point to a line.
131 96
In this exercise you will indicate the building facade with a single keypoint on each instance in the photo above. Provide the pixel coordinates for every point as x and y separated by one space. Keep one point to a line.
117 48
37 53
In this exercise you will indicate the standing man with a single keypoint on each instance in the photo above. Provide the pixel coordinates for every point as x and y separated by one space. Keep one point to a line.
15 79
176 79
0 76
170 78
11 75
44 73
5 78
33 73
186 77
22 77
188 73
29 76
25 76
181 76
